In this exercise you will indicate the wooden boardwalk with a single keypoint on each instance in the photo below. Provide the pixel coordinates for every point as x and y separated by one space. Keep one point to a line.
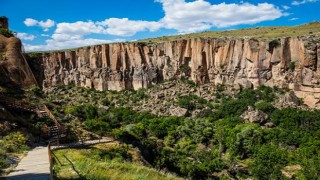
35 166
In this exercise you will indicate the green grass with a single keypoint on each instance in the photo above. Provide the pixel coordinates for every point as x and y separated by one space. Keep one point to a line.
86 165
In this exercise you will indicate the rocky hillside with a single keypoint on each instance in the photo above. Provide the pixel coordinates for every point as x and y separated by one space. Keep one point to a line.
290 62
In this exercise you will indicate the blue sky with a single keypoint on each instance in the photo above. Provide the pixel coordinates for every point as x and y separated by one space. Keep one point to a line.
59 24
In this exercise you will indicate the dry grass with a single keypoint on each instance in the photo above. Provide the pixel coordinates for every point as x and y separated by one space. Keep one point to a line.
259 32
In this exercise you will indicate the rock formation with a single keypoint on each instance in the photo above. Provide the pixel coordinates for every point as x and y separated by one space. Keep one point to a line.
4 22
254 116
286 63
14 69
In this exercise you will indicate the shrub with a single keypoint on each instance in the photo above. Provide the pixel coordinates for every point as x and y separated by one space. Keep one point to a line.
14 142
105 102
3 157
220 87
273 44
292 66
36 90
189 82
6 32
185 68
191 102
119 153
266 107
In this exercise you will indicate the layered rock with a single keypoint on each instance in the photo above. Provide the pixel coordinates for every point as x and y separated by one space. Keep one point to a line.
286 63
14 69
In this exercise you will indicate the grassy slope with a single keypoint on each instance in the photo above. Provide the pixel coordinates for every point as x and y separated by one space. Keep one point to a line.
259 32
87 167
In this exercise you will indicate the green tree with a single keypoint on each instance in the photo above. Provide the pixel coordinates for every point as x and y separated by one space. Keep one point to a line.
268 162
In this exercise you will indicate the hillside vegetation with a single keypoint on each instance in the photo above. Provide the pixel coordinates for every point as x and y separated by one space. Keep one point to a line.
226 133
271 32
104 161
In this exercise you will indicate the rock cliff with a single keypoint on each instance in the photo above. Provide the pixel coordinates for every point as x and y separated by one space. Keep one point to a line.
286 63
14 69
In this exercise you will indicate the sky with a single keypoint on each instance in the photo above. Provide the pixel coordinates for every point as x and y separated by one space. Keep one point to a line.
60 24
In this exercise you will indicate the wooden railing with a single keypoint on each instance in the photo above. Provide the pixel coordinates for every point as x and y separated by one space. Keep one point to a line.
11 102
50 162
51 116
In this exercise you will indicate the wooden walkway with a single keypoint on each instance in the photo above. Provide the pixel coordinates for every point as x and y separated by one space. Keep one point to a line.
35 166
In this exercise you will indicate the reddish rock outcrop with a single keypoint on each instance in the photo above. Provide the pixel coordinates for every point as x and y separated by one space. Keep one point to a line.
14 69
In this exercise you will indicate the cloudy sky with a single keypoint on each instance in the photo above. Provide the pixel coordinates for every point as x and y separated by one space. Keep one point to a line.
59 24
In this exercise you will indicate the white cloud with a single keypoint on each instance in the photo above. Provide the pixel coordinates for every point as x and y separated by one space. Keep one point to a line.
30 22
126 27
25 36
285 7
45 25
185 17
52 44
200 15
79 28
296 3
45 35
293 19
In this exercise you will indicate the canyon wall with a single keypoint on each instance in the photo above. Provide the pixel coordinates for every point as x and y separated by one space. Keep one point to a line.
286 63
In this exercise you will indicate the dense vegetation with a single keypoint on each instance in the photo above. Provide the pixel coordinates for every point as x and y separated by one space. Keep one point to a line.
218 142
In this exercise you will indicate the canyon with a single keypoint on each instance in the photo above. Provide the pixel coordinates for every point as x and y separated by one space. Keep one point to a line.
290 63
245 61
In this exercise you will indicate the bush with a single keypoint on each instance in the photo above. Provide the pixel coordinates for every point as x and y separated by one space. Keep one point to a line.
292 66
87 111
192 102
14 142
105 102
273 44
265 107
6 32
3 157
247 140
119 153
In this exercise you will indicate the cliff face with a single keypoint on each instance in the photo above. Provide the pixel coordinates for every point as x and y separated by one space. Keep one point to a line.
286 63
14 69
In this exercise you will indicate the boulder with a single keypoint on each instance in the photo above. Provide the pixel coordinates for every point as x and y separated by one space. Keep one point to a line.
254 116
289 99
178 111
